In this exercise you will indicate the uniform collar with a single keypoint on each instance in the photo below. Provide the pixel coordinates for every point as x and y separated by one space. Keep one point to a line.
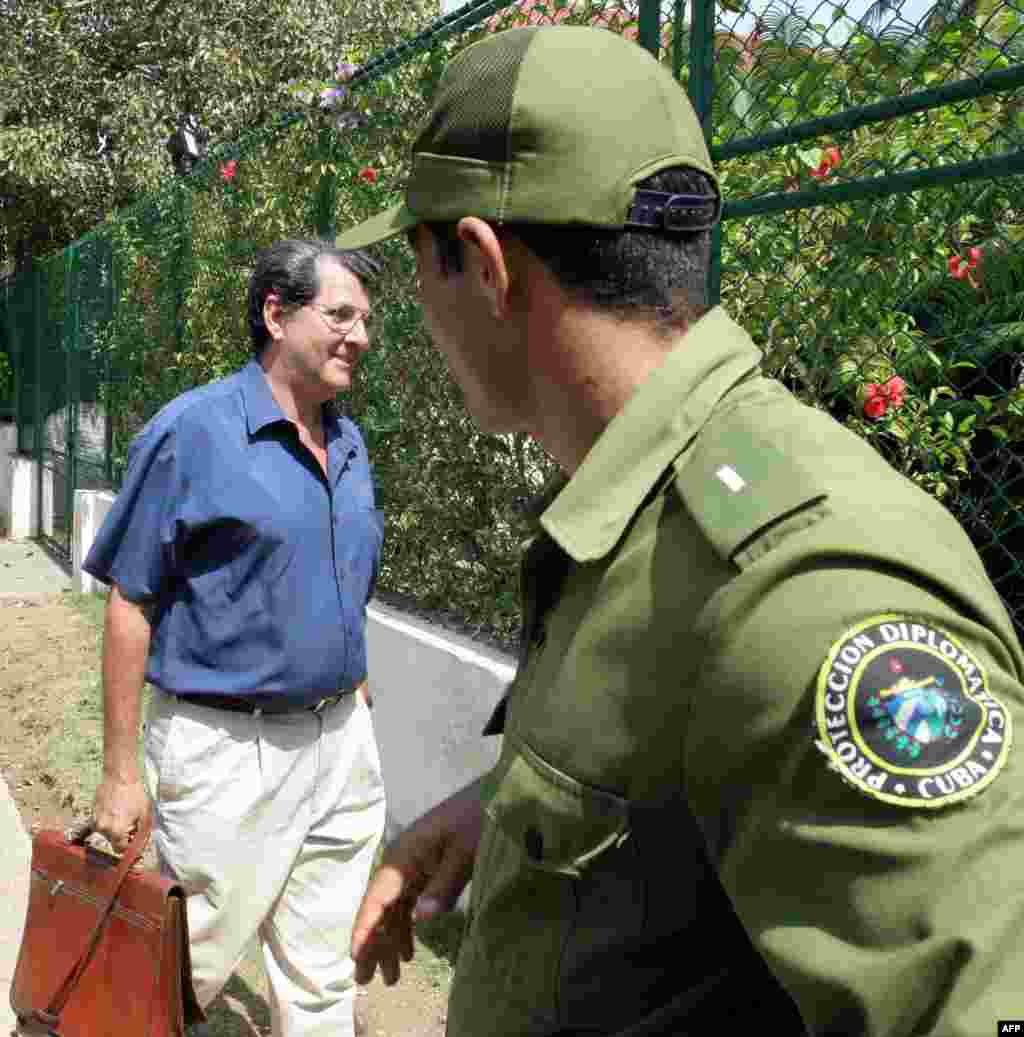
261 409
665 412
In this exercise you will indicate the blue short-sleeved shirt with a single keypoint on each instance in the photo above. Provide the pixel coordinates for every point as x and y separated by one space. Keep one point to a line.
258 565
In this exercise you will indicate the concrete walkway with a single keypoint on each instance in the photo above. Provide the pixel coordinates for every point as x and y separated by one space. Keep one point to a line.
14 872
26 570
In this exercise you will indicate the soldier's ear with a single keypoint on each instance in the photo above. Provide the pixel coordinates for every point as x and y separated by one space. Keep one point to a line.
486 260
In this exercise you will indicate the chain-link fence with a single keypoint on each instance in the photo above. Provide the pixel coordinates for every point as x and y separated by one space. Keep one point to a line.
870 159
6 363
871 167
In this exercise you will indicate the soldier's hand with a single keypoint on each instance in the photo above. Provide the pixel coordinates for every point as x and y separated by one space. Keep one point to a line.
118 810
421 874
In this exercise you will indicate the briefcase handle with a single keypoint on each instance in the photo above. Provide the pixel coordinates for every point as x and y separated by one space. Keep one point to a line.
136 848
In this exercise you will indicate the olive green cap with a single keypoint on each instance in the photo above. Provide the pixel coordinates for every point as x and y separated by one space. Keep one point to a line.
552 125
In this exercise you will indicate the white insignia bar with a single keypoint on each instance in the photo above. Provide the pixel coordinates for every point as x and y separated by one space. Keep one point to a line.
730 478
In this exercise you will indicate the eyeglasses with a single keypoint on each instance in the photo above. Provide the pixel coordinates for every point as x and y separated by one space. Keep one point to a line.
343 317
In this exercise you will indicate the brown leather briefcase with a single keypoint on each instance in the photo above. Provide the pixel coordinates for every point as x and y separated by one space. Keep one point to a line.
105 948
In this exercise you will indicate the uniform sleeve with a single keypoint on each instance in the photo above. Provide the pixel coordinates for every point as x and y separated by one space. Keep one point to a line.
851 763
135 546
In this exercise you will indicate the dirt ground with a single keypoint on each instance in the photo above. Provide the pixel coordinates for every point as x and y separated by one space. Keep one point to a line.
50 757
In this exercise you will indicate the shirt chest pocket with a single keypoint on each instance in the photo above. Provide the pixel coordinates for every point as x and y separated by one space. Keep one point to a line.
229 561
256 571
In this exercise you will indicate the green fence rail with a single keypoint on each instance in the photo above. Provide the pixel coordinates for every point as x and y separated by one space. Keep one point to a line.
871 159
6 361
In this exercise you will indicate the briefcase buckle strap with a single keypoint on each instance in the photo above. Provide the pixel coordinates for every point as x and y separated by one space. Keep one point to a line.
51 1016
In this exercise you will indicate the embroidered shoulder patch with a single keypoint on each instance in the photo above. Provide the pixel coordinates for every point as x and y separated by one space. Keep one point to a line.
904 713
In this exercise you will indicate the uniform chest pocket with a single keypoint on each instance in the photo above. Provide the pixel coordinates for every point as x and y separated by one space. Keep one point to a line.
560 824
555 899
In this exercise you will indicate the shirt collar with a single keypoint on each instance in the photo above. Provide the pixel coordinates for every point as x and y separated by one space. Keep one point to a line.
261 409
665 412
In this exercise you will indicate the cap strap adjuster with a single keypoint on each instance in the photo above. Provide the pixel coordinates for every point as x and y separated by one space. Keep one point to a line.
678 213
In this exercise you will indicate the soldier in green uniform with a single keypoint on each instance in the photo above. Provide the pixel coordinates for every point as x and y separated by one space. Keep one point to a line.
757 770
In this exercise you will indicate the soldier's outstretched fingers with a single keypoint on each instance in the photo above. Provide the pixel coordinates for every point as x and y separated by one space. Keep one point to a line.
425 868
382 933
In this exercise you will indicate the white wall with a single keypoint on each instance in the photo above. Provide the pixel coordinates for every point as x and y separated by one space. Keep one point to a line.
8 444
91 507
433 691
21 503
20 492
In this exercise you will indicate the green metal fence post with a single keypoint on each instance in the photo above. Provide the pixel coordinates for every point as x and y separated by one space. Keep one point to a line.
326 191
15 337
701 88
181 263
108 402
37 417
678 14
72 296
649 31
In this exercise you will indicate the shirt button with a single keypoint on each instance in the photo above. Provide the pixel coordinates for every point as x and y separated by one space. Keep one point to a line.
534 844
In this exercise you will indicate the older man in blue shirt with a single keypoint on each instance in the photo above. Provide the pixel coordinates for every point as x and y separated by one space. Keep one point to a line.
241 552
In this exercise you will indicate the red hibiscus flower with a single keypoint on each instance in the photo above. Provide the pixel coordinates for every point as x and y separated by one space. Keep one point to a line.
895 388
830 159
961 268
879 397
228 171
368 175
875 403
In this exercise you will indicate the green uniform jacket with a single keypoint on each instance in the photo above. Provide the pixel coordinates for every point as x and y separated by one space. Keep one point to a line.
762 717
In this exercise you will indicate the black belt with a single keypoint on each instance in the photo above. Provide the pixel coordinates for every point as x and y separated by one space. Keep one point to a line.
237 705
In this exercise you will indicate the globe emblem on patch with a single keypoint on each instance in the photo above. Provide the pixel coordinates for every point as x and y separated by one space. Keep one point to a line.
912 714
919 718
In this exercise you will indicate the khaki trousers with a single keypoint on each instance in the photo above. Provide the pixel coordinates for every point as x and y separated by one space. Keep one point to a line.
271 824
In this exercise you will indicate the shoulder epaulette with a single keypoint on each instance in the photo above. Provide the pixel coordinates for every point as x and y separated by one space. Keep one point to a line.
737 483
